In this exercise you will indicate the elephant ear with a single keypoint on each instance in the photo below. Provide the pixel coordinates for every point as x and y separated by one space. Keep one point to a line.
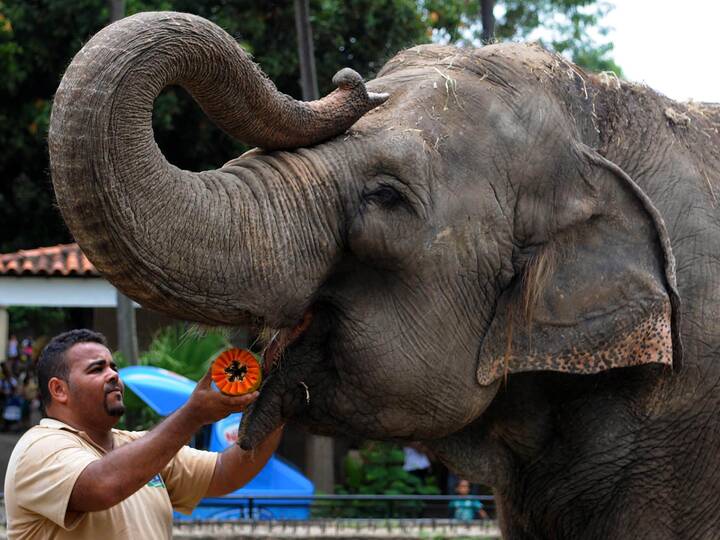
598 290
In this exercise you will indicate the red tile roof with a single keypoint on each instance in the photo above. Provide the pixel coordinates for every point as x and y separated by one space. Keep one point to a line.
61 260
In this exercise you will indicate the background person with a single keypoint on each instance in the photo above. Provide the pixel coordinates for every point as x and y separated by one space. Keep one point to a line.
11 400
13 348
73 476
466 509
416 461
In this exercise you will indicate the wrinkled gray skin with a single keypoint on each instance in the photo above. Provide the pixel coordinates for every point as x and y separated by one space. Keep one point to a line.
477 253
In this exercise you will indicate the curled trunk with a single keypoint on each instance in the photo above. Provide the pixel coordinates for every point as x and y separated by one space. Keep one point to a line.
200 246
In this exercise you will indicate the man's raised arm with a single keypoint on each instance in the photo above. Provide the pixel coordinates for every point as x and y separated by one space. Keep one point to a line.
124 470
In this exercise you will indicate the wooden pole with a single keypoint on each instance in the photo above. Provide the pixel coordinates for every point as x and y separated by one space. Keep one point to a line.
126 328
320 462
308 76
4 332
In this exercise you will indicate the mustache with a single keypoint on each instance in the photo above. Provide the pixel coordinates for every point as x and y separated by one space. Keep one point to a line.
110 387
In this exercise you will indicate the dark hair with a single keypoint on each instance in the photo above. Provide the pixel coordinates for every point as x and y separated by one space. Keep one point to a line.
52 359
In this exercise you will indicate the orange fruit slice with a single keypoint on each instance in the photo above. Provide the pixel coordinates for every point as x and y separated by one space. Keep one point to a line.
236 372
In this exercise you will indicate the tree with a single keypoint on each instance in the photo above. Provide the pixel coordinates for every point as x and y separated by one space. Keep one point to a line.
36 42
571 27
39 38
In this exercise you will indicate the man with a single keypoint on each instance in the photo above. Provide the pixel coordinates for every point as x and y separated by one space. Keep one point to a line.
73 476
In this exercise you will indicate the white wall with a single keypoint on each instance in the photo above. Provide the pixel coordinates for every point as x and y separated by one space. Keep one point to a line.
56 292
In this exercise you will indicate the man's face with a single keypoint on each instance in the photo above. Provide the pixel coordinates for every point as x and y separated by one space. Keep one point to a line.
94 386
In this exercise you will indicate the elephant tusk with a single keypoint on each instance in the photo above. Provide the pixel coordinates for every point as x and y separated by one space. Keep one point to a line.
307 392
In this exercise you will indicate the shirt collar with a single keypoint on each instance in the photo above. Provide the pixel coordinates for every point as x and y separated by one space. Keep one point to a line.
57 424
52 423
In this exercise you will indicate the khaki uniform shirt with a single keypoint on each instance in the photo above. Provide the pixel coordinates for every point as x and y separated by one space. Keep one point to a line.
47 461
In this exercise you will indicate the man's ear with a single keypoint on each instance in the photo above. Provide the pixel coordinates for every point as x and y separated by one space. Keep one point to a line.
58 390
599 292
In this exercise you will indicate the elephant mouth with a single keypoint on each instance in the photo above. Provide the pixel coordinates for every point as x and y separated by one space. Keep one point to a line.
281 339
295 361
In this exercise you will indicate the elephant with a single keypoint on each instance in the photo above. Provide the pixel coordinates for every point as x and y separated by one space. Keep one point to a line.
490 251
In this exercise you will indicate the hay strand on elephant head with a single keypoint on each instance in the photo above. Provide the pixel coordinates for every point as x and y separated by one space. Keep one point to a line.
533 282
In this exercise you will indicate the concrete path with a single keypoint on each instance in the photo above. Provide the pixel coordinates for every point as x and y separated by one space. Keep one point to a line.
361 529
348 529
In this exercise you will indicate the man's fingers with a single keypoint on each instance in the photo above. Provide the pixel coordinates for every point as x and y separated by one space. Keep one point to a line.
236 403
241 402
206 379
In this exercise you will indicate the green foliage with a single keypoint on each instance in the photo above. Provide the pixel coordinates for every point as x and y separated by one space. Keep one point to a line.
36 321
378 469
371 32
178 349
39 38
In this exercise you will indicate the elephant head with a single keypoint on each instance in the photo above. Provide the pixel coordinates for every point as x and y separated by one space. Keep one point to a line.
461 230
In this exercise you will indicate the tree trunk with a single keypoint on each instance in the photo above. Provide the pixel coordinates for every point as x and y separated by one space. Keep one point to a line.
488 21
117 10
308 76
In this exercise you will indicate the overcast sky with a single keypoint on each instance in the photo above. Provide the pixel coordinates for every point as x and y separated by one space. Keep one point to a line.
672 46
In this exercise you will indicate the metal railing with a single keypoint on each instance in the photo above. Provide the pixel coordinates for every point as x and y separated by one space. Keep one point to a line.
341 506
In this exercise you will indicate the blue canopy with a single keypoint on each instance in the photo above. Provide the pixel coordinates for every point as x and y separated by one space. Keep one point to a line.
164 392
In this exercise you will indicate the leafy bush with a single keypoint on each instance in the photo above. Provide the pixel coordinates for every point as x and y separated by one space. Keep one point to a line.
184 351
378 469
37 321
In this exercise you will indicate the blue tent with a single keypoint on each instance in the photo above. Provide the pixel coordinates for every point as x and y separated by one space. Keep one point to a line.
164 392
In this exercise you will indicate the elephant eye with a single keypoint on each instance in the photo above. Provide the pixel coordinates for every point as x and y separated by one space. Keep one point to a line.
385 196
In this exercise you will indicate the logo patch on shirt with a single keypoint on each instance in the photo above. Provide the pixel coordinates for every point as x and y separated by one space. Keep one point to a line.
156 482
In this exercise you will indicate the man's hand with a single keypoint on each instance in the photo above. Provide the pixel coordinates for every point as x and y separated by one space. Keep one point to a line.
206 405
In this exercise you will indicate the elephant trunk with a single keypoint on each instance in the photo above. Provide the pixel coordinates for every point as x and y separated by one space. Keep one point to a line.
201 246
